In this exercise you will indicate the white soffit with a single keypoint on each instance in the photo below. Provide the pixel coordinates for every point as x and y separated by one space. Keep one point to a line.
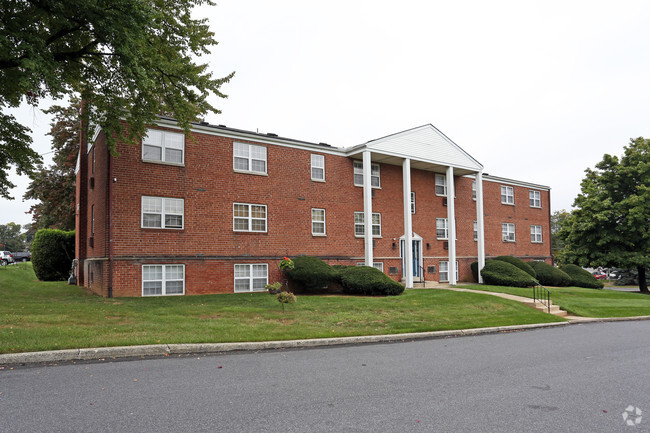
424 143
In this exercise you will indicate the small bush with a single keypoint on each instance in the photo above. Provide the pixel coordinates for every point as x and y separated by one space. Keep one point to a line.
581 278
52 254
548 275
369 281
518 263
311 273
500 273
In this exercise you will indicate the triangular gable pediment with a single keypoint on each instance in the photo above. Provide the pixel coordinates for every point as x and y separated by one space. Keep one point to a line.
426 144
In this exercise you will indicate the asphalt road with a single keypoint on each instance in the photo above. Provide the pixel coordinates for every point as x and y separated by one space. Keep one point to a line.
579 378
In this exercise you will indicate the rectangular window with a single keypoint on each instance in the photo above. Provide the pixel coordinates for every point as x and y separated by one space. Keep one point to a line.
507 195
92 220
508 232
378 265
93 159
475 231
536 234
162 212
359 227
444 271
441 184
358 174
251 277
317 167
474 190
249 158
161 280
163 146
318 222
249 217
535 198
412 202
442 228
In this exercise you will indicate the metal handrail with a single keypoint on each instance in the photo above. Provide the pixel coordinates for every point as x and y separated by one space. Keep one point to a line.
421 274
539 293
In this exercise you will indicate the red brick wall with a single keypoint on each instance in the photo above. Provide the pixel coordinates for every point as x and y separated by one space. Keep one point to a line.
209 247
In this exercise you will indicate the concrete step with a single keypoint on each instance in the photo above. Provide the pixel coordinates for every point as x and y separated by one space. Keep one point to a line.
425 285
555 310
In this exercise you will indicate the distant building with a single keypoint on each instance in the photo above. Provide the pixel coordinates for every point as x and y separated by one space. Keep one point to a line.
215 212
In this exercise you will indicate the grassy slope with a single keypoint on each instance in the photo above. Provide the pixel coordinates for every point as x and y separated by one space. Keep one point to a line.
43 316
586 302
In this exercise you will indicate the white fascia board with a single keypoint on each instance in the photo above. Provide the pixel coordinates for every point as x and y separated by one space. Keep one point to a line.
352 152
514 182
312 147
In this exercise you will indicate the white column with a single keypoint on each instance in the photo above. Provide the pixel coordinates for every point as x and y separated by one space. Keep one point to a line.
408 224
451 219
480 227
367 207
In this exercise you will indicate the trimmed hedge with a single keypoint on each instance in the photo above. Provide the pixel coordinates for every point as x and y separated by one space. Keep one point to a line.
52 254
581 278
369 281
548 275
518 263
311 273
500 273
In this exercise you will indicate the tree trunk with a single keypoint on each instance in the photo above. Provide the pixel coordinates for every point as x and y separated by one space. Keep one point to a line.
643 284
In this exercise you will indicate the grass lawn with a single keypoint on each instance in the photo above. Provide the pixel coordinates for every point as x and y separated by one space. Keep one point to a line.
586 302
44 316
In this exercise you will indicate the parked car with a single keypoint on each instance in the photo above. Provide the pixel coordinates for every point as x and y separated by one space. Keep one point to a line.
22 256
599 276
6 258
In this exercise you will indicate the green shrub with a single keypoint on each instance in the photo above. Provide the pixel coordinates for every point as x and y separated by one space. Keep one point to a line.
52 254
500 273
369 281
518 263
581 278
311 273
548 275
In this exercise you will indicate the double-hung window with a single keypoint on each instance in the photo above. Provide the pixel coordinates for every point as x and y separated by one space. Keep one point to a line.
535 198
507 194
162 212
475 231
412 202
249 158
159 280
444 271
249 217
251 277
442 228
441 184
359 226
318 222
374 174
473 190
317 167
508 232
536 234
377 265
163 146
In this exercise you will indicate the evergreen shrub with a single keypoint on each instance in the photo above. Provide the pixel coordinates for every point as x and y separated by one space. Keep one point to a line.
368 281
548 275
52 254
581 278
518 263
311 274
500 273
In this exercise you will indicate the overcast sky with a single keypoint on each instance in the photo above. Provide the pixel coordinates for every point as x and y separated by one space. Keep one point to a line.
534 90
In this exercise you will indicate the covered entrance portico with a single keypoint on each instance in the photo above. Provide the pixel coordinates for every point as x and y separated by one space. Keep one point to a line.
421 148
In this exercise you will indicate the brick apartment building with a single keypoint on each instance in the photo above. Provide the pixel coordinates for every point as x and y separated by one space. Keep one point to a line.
216 211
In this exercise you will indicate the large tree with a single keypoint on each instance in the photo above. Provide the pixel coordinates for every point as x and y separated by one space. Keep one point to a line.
54 186
131 59
611 223
10 237
557 243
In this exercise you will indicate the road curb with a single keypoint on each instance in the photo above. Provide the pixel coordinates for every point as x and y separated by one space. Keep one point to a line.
154 350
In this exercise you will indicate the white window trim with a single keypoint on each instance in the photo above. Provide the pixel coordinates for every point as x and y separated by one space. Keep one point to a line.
377 265
531 197
413 202
443 184
474 190
534 234
163 147
505 232
509 193
445 227
314 233
250 159
250 278
313 166
475 231
162 213
359 171
440 271
364 227
164 280
250 218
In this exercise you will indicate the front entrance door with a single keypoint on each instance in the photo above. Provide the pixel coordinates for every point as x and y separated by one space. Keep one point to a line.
416 257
